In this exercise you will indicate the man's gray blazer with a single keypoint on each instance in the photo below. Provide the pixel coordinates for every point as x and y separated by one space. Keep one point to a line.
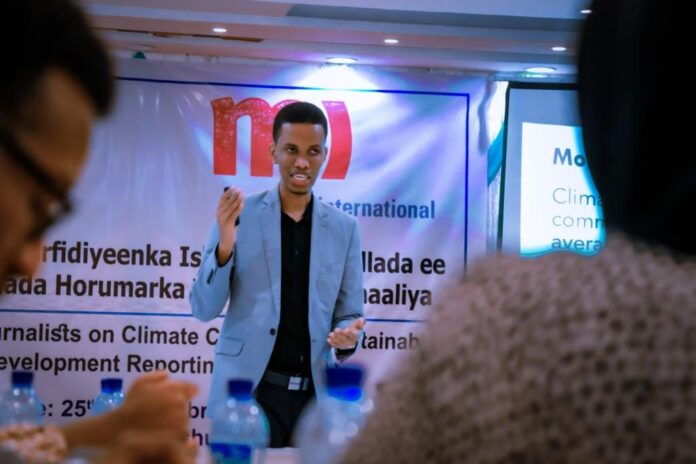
251 282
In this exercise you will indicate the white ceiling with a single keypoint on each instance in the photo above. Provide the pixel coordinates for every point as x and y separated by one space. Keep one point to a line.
491 36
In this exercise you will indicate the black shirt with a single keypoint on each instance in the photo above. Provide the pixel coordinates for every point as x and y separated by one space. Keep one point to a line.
291 352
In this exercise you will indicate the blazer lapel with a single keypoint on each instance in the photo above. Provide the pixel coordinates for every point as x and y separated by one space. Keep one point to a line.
270 229
318 249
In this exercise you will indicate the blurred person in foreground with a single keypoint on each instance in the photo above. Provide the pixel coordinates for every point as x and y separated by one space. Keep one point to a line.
56 82
570 359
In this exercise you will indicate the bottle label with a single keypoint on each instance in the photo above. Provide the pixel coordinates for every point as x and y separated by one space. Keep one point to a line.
226 453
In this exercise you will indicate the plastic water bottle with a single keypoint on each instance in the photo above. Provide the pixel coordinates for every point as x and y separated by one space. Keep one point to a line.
240 431
20 404
327 426
110 398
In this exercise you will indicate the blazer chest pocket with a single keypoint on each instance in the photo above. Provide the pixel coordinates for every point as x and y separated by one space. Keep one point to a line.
229 346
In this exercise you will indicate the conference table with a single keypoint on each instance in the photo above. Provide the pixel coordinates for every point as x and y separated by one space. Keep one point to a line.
273 456
282 456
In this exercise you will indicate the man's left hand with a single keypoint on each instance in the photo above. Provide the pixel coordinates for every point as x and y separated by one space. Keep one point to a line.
346 339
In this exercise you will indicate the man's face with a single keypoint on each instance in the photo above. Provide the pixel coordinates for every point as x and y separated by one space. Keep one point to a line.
299 154
54 132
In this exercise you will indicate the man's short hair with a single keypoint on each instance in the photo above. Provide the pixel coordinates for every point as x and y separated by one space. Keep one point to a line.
39 35
299 113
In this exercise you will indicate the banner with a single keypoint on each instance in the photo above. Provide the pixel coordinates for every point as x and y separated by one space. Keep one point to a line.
111 299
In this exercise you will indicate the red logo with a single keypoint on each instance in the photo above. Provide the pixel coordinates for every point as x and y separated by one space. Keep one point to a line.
225 116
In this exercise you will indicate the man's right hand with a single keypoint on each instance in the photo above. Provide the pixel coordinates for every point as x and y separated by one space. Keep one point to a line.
229 208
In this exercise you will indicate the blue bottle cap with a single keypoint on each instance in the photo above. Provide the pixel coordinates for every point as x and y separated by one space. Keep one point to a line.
112 385
348 375
240 389
22 378
345 382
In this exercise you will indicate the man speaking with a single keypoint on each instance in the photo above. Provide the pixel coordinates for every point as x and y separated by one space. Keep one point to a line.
291 269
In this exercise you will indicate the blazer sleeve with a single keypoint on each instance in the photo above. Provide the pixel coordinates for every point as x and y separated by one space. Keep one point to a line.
349 304
211 288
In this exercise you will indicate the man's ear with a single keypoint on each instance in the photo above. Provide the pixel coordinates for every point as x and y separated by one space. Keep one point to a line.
271 153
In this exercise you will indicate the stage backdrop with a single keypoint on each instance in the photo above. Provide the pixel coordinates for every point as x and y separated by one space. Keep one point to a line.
111 300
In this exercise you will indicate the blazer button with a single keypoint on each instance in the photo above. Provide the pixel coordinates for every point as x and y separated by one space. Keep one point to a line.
272 331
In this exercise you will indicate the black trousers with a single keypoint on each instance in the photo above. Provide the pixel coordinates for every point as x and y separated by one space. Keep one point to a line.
282 407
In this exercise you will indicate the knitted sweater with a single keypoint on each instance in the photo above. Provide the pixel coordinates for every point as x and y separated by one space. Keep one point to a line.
561 359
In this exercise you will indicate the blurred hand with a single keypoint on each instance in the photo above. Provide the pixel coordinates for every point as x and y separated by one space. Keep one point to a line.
229 208
346 339
154 404
157 403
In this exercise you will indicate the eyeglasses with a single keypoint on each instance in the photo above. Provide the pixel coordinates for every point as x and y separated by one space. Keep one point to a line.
59 207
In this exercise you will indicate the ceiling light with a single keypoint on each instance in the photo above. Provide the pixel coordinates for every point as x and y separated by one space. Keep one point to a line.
341 60
540 69
586 11
391 41
219 30
559 49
